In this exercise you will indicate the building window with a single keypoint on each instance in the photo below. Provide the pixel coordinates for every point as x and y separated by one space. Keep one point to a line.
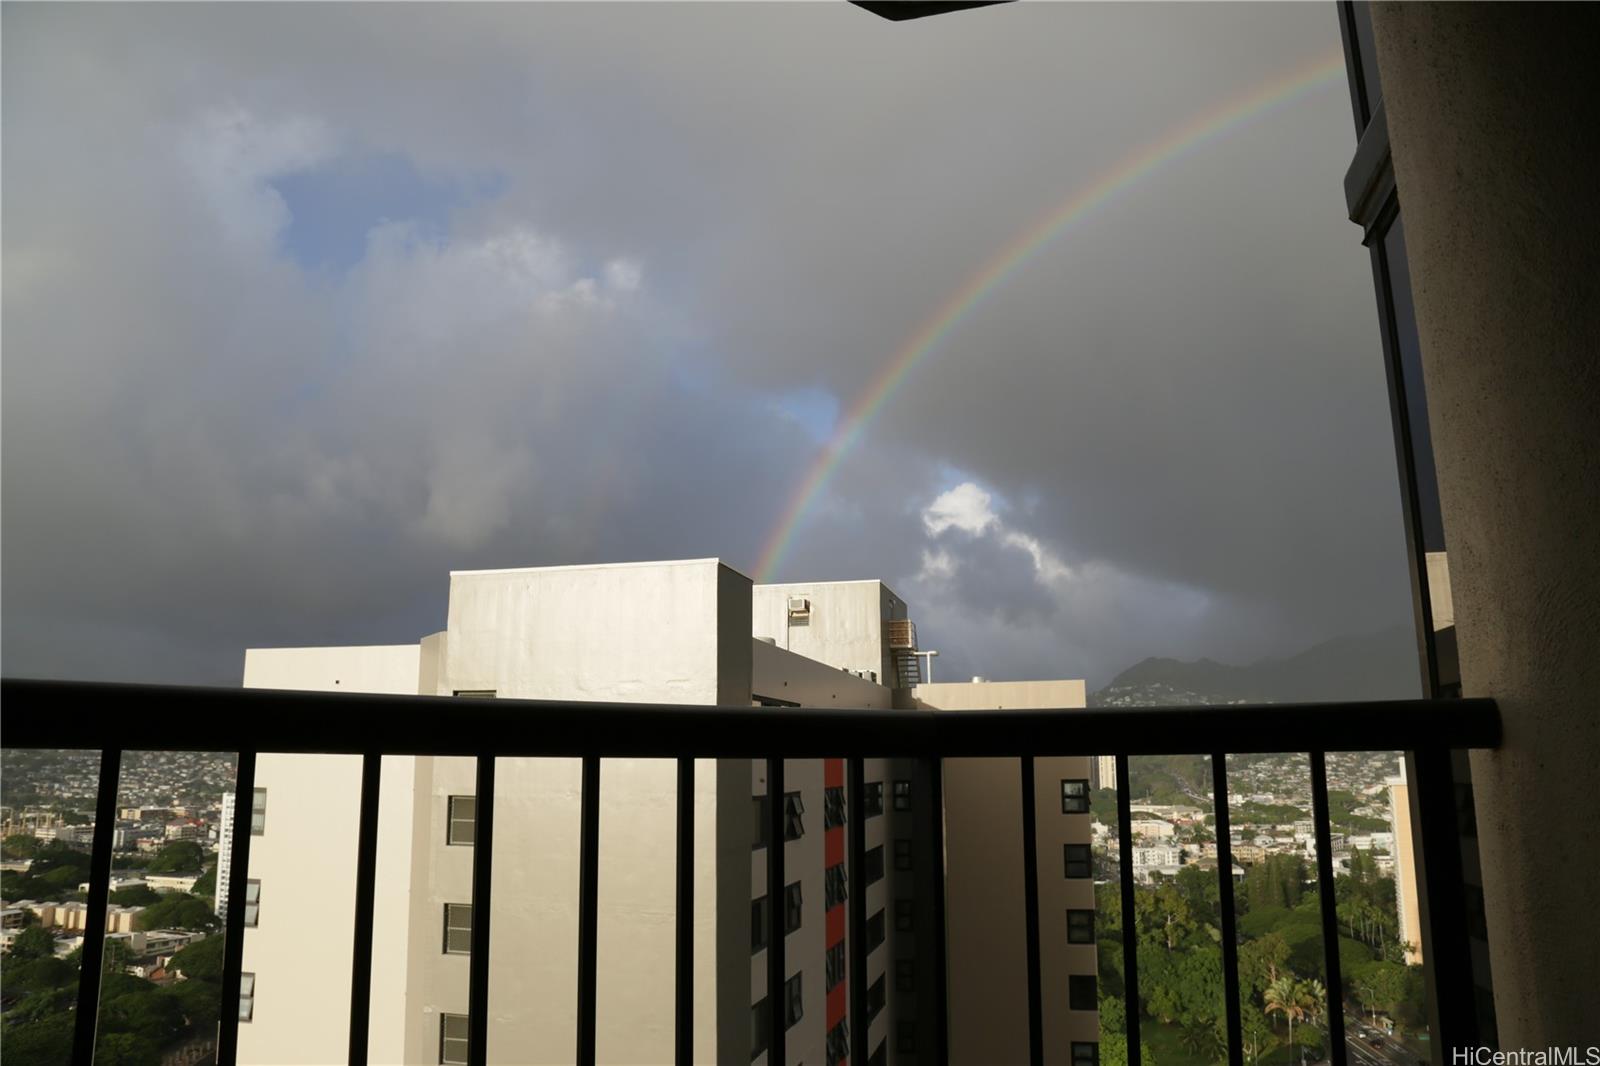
791 907
874 930
1080 927
902 854
1081 992
247 996
794 808
252 903
475 693
872 798
1085 1054
906 1038
258 812
834 966
758 924
839 1042
1075 796
835 885
905 975
453 1039
793 1002
458 928
832 808
905 915
877 996
463 820
763 816
760 1032
902 795
1078 861
874 865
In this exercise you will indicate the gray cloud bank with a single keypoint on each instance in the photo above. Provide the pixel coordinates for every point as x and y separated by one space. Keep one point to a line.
1174 414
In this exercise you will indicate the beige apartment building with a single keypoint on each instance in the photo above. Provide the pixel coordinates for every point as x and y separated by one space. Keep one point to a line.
691 632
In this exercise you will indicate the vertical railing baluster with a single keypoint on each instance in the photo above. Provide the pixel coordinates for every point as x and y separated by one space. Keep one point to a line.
482 878
776 913
366 880
683 995
936 861
1230 935
1436 848
1330 912
94 929
856 900
1030 911
244 792
588 910
1130 930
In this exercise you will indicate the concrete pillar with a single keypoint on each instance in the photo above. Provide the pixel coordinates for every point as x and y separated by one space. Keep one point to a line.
1494 123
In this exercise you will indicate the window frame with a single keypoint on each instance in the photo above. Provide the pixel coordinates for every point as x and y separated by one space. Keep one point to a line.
794 907
794 816
876 932
1075 934
1085 1053
445 1040
833 807
252 907
905 976
835 967
449 909
258 812
763 817
794 1003
905 915
873 865
760 1029
1087 861
247 997
1080 987
760 922
904 859
901 795
877 997
1074 791
451 837
836 886
872 799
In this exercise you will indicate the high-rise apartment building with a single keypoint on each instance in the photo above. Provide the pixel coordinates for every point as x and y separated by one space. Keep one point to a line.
693 632
1405 868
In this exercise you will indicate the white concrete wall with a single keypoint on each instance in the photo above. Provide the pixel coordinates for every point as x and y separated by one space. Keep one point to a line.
845 627
300 951
674 632
984 898
787 676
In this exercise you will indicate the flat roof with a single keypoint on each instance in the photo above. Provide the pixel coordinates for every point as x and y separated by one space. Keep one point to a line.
588 566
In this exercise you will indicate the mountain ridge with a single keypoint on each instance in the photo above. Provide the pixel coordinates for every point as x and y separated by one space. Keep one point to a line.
1365 666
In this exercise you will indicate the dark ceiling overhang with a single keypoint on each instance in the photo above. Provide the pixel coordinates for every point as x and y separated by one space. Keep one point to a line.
900 10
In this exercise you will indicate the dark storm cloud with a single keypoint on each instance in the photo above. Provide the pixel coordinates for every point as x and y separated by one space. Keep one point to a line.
694 211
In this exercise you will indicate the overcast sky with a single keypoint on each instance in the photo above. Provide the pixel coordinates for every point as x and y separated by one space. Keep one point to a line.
307 305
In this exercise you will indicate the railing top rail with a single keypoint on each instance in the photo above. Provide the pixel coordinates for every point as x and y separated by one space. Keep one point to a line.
71 714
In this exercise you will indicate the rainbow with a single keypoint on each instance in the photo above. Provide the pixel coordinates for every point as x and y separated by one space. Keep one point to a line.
1168 148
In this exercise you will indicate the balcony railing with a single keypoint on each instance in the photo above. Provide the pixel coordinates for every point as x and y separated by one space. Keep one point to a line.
118 718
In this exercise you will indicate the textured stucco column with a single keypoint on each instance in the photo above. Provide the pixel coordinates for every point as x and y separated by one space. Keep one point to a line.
1494 122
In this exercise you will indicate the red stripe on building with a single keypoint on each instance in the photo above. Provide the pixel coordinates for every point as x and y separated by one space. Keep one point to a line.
833 847
835 925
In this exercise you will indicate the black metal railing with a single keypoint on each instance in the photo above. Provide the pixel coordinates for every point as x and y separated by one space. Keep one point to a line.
114 719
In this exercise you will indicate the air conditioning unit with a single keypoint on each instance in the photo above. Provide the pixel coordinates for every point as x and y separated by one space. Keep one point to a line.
799 605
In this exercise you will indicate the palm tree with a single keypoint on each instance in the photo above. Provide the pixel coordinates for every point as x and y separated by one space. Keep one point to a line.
1288 997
